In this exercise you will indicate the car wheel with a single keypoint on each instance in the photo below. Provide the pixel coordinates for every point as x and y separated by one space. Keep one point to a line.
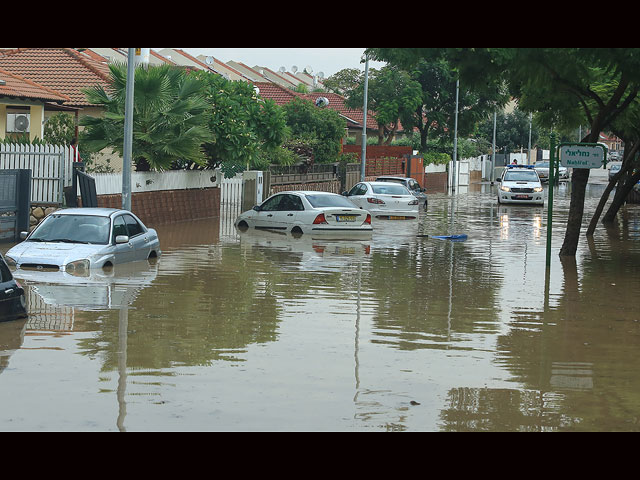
242 226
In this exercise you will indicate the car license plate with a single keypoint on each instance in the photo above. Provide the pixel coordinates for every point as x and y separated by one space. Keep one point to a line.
395 218
345 218
523 197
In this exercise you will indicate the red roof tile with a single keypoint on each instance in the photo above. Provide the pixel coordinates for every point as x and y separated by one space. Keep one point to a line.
63 70
16 87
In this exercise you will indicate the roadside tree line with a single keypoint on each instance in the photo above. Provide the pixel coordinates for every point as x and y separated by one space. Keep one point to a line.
563 88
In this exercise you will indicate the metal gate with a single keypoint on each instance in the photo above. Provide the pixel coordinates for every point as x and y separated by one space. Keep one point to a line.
15 203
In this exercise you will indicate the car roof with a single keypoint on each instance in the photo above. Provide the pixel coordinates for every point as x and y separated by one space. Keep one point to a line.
377 183
307 192
391 177
93 211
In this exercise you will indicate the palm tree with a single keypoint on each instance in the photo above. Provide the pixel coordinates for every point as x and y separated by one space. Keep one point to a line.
169 120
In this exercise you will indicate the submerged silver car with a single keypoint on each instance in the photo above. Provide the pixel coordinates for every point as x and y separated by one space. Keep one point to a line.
76 240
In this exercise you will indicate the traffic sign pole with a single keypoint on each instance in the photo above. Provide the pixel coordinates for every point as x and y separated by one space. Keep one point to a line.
552 161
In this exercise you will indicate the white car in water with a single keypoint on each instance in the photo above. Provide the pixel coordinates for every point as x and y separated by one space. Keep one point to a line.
306 212
76 240
520 184
386 200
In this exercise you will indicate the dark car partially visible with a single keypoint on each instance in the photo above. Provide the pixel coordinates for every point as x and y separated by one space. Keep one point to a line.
12 300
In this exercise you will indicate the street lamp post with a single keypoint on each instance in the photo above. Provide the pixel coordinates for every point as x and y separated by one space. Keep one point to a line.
128 131
455 140
363 161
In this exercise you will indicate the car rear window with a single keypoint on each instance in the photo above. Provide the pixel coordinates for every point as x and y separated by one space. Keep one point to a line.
319 201
391 189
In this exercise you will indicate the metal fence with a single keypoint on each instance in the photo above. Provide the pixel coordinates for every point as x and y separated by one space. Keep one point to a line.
50 167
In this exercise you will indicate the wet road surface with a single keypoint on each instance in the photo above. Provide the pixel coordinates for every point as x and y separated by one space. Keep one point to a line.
267 332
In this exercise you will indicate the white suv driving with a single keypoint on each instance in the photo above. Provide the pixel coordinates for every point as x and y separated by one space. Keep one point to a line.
520 184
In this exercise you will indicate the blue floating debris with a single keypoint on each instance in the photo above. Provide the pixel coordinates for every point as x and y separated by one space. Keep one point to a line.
455 238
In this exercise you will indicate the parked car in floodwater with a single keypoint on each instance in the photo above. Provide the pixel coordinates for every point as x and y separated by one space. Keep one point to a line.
306 212
543 171
384 200
412 185
12 299
76 240
615 168
520 184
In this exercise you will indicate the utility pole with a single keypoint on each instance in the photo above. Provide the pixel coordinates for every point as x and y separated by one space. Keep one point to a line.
128 131
529 149
363 160
493 149
455 140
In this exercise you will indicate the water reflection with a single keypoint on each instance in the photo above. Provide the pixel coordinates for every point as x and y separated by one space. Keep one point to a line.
265 331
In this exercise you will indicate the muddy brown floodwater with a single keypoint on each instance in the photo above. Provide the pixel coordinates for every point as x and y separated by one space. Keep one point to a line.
267 332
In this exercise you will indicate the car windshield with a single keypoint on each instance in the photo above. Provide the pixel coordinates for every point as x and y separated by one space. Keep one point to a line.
615 167
542 165
73 229
521 176
319 201
391 189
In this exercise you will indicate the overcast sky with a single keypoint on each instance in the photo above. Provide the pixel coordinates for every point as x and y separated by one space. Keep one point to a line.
326 60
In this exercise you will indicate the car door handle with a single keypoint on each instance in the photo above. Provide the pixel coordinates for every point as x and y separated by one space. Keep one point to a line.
270 215
289 214
9 291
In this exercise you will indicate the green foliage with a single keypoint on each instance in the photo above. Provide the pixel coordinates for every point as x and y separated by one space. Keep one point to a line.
169 121
392 96
59 129
436 158
512 131
245 130
319 128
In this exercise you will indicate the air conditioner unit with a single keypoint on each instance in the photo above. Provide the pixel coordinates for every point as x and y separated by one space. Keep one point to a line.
18 122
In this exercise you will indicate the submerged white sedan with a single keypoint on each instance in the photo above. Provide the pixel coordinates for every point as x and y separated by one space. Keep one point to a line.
76 240
384 200
306 212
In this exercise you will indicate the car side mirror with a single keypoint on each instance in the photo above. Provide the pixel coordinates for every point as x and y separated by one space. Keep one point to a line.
122 239
346 194
257 208
23 235
498 179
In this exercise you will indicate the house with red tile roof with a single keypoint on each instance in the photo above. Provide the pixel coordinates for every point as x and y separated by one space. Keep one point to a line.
182 58
354 118
22 97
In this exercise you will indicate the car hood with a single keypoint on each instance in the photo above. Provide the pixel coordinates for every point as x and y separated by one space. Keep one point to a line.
53 253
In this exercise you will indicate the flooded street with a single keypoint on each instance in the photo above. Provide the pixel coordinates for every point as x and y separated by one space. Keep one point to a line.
232 331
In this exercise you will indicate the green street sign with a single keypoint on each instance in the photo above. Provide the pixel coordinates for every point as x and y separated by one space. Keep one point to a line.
583 155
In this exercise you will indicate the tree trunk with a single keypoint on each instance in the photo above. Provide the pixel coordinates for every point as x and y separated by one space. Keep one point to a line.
622 192
603 200
630 151
579 180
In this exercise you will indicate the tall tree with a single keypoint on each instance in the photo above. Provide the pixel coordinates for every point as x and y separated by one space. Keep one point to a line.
169 122
436 112
392 96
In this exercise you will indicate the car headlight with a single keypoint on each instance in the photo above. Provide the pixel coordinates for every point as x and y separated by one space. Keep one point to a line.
505 189
78 268
10 261
537 189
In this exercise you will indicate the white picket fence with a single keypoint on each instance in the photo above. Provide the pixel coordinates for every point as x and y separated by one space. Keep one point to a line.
50 167
231 190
